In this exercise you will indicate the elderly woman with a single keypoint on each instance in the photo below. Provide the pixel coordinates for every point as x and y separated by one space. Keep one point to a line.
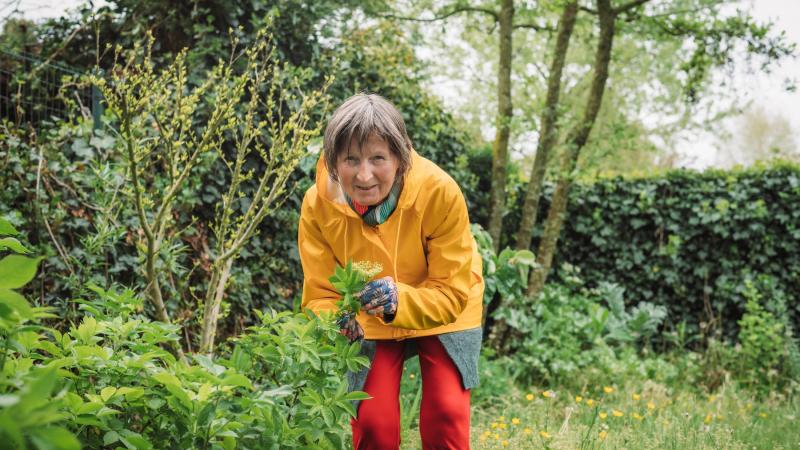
376 199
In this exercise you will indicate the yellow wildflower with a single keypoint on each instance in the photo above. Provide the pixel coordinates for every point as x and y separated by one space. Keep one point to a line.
608 389
502 418
527 431
578 398
515 421
651 405
616 413
544 434
505 443
494 425
502 425
708 419
411 376
529 397
764 415
603 434
636 397
637 416
603 415
711 398
548 394
497 436
590 402
487 433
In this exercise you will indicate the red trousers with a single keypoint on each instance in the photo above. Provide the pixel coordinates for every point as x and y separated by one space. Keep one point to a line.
444 412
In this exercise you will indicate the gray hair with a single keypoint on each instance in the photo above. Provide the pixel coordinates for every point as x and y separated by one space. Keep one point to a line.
360 116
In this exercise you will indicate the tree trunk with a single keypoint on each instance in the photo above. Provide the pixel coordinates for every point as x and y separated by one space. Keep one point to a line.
549 130
497 195
213 300
575 142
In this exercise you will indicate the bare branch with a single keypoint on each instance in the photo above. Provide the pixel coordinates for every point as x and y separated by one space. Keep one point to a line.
442 16
628 6
534 26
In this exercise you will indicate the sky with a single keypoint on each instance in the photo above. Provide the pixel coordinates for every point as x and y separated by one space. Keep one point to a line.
699 149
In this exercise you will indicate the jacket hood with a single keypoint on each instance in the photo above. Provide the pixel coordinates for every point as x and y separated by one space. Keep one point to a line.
331 190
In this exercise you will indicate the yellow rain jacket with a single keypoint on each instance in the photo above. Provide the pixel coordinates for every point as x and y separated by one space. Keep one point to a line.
425 245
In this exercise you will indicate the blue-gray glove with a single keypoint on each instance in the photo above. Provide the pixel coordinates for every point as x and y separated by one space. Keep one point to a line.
379 298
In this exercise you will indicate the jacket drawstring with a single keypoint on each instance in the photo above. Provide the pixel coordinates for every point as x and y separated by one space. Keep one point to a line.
396 245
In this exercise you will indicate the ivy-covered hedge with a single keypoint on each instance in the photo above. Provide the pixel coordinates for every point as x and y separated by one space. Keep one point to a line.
687 240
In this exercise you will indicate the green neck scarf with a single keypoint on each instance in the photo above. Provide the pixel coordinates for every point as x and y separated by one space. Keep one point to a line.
377 214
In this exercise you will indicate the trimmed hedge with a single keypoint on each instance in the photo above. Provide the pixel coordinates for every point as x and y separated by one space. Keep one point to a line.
687 239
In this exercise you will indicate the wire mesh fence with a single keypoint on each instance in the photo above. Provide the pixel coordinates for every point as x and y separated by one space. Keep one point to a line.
34 91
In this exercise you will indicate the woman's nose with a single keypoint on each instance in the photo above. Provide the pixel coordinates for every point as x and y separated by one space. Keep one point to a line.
364 172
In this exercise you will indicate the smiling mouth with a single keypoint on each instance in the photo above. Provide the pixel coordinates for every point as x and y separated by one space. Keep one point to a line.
365 188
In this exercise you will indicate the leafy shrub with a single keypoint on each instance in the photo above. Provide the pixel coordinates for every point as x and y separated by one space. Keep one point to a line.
281 384
766 355
570 329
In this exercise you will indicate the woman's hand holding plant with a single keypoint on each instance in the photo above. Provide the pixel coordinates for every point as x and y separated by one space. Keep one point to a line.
379 298
350 281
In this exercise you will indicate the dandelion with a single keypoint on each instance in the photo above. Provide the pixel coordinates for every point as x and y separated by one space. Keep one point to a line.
548 394
527 431
603 415
763 415
616 413
602 435
529 397
497 436
502 418
651 405
544 434
578 399
487 433
637 416
505 443
608 389
515 421
636 397
590 402
494 425
502 425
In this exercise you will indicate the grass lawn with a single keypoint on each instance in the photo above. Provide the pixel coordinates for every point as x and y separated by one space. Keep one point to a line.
640 415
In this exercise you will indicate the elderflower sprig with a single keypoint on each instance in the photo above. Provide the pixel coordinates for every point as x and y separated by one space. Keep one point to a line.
349 281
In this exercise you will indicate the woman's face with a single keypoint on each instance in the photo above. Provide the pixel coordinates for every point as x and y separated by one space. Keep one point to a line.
367 173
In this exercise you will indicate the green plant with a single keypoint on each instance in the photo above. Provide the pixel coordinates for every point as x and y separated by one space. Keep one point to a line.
762 343
30 408
348 282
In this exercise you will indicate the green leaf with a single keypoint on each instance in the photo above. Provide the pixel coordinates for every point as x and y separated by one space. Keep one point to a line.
16 271
357 395
110 437
55 438
237 379
107 393
6 229
15 302
13 245
167 379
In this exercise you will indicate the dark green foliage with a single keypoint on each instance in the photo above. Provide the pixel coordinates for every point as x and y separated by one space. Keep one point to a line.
685 239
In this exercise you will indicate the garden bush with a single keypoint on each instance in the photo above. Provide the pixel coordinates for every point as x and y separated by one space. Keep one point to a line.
108 380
